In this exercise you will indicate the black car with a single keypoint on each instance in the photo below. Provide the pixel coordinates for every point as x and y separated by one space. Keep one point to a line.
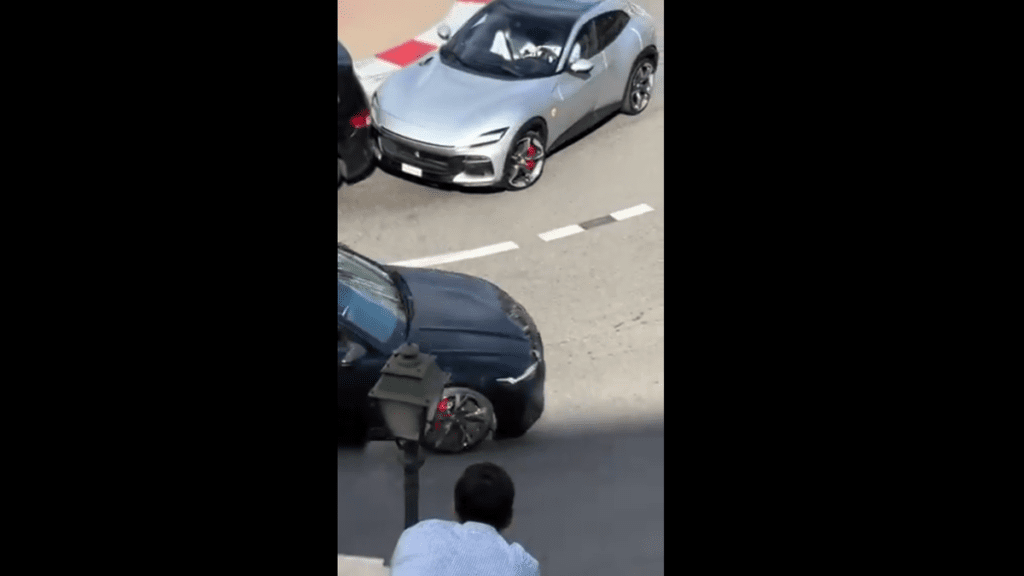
355 154
479 334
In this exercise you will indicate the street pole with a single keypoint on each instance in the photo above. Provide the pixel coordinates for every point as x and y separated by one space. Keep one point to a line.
412 462
407 394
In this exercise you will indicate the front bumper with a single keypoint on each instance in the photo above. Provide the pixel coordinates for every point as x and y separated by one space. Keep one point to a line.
519 406
464 166
525 399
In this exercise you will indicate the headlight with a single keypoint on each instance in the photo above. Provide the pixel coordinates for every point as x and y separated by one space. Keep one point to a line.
527 374
488 138
374 106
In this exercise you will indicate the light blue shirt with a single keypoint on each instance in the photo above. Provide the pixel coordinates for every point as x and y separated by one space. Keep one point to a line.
445 548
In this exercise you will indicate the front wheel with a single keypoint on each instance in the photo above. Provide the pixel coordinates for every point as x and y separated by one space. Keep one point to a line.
467 420
639 89
525 162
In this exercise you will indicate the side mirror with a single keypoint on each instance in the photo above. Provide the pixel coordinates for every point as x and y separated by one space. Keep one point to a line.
581 66
355 352
444 31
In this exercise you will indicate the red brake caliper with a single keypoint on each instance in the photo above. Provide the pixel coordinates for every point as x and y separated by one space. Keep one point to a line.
530 152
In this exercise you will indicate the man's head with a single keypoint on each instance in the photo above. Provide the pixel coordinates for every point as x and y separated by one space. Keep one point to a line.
484 494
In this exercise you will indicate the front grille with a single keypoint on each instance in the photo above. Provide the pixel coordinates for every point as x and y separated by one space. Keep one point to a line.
410 155
478 166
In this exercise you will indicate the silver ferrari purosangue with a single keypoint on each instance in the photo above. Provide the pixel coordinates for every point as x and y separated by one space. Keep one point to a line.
520 78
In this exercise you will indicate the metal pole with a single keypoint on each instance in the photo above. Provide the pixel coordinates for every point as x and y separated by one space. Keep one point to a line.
412 482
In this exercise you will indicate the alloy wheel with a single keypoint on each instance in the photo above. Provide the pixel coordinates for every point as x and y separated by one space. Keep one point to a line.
466 422
641 86
527 161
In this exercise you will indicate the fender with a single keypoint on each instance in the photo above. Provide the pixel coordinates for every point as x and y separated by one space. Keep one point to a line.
652 52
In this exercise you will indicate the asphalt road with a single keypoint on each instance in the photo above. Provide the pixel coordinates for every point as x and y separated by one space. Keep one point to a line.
590 474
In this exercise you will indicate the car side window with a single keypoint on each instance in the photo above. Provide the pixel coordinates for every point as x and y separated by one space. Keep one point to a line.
608 27
586 41
348 340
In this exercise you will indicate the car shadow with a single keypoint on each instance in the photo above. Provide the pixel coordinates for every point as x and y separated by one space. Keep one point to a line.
600 124
493 189
369 172
559 471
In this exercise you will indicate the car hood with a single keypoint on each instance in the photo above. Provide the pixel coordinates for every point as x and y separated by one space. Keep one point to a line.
438 104
459 316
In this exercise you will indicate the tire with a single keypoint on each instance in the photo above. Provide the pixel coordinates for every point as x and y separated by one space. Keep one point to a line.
511 431
528 152
352 432
639 87
456 433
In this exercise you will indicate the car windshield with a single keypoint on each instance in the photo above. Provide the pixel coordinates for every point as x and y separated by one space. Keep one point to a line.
368 298
504 42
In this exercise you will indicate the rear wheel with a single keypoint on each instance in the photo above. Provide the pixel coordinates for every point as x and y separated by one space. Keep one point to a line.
352 430
640 87
468 420
525 162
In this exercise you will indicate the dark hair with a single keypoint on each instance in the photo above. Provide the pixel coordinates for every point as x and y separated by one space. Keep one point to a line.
484 494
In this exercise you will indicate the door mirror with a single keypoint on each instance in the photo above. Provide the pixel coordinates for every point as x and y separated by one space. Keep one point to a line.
355 352
581 66
575 54
444 31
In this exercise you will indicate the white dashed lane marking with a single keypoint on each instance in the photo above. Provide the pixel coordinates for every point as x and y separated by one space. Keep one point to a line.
630 212
548 236
560 232
456 256
583 226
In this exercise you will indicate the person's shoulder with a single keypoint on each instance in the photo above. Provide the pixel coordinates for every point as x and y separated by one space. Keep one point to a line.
527 563
437 523
424 533
431 526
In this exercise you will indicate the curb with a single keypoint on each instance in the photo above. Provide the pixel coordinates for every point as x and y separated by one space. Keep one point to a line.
374 70
361 566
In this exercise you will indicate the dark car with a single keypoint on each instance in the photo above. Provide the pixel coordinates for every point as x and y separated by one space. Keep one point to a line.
479 334
355 154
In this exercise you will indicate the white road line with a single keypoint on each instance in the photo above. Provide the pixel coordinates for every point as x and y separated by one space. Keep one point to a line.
430 37
374 66
560 232
456 256
506 246
630 212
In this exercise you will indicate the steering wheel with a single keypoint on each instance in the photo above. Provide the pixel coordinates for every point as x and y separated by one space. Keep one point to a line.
547 53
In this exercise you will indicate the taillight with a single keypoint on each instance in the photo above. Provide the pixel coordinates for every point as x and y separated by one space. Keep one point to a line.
360 120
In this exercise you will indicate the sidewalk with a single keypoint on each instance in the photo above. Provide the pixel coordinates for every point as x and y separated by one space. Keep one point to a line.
388 35
368 27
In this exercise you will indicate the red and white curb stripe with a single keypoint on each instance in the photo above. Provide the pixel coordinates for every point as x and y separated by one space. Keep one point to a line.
374 70
361 566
